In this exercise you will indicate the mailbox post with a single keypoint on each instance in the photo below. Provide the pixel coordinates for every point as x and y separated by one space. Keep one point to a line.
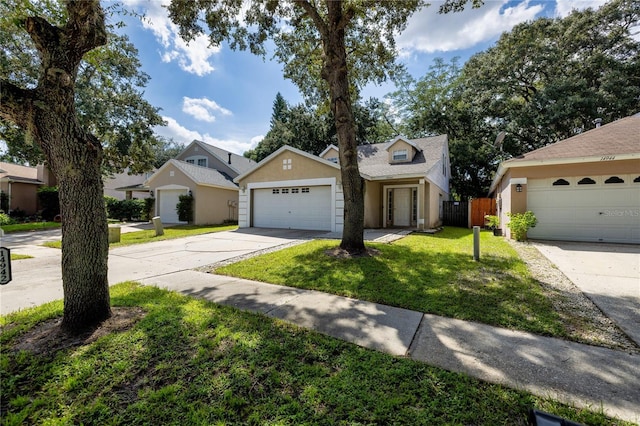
5 265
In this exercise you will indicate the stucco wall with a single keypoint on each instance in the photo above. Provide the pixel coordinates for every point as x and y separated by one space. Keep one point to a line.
301 168
212 205
373 205
331 153
23 196
398 145
436 195
212 162
164 178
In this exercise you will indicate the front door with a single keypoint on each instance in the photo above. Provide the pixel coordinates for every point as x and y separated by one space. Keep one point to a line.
402 207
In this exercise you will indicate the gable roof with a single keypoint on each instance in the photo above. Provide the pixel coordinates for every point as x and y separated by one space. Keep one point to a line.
280 150
616 138
327 149
373 159
238 163
619 140
198 174
404 139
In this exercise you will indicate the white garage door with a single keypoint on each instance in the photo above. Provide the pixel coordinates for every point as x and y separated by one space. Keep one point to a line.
593 208
168 201
292 208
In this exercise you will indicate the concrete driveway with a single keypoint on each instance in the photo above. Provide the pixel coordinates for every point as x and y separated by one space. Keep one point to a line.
39 280
609 274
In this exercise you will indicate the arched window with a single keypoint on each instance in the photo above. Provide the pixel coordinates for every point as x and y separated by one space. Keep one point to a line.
560 182
614 179
586 181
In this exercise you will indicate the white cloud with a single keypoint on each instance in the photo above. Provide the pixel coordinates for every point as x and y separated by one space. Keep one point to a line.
203 109
181 134
256 140
565 7
427 31
192 57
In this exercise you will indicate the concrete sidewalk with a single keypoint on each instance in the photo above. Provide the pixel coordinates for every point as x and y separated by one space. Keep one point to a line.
583 375
571 372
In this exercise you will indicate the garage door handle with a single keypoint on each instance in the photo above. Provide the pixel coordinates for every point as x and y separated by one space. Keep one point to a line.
601 213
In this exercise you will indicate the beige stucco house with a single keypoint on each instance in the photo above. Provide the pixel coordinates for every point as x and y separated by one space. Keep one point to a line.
21 183
406 181
207 173
585 188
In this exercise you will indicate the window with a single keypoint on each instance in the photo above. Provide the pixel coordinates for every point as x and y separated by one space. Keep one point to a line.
637 180
191 161
305 190
285 190
586 181
202 162
560 182
414 207
295 190
286 164
614 179
333 159
400 155
275 191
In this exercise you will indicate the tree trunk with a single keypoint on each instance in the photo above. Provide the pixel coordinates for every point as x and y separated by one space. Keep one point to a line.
48 115
75 158
336 74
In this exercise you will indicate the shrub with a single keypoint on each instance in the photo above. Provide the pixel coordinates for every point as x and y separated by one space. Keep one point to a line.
49 201
147 213
4 201
124 209
492 221
185 208
520 224
5 219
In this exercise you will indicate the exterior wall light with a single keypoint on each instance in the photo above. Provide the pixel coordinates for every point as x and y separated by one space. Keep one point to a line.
518 188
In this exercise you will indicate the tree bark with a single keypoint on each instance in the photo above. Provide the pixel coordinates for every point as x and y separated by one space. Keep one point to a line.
48 115
336 74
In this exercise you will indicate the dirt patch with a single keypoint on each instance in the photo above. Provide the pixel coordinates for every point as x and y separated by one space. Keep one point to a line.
48 337
340 253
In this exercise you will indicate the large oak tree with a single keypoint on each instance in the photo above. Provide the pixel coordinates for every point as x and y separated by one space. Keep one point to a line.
329 49
40 105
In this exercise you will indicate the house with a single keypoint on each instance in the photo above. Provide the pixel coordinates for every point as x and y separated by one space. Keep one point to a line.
585 188
125 186
19 186
206 172
406 181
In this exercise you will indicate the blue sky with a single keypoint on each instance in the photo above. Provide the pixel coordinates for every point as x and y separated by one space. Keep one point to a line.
225 97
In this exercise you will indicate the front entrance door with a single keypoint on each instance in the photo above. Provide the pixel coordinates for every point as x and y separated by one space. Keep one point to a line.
402 207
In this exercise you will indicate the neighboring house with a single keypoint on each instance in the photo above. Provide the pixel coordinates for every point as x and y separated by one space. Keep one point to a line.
406 182
585 188
206 172
125 186
21 183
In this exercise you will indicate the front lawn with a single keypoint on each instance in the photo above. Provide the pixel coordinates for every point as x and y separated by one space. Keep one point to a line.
147 236
188 361
16 256
31 226
426 273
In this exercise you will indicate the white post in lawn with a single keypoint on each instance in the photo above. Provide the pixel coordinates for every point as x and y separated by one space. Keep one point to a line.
476 243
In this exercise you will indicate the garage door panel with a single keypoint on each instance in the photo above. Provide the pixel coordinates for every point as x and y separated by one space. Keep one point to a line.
169 199
585 213
292 210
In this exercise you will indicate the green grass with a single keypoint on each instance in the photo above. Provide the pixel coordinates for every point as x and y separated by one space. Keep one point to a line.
147 236
16 256
426 273
32 226
189 361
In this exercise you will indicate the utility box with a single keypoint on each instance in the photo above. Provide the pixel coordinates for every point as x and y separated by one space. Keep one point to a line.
114 234
157 225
